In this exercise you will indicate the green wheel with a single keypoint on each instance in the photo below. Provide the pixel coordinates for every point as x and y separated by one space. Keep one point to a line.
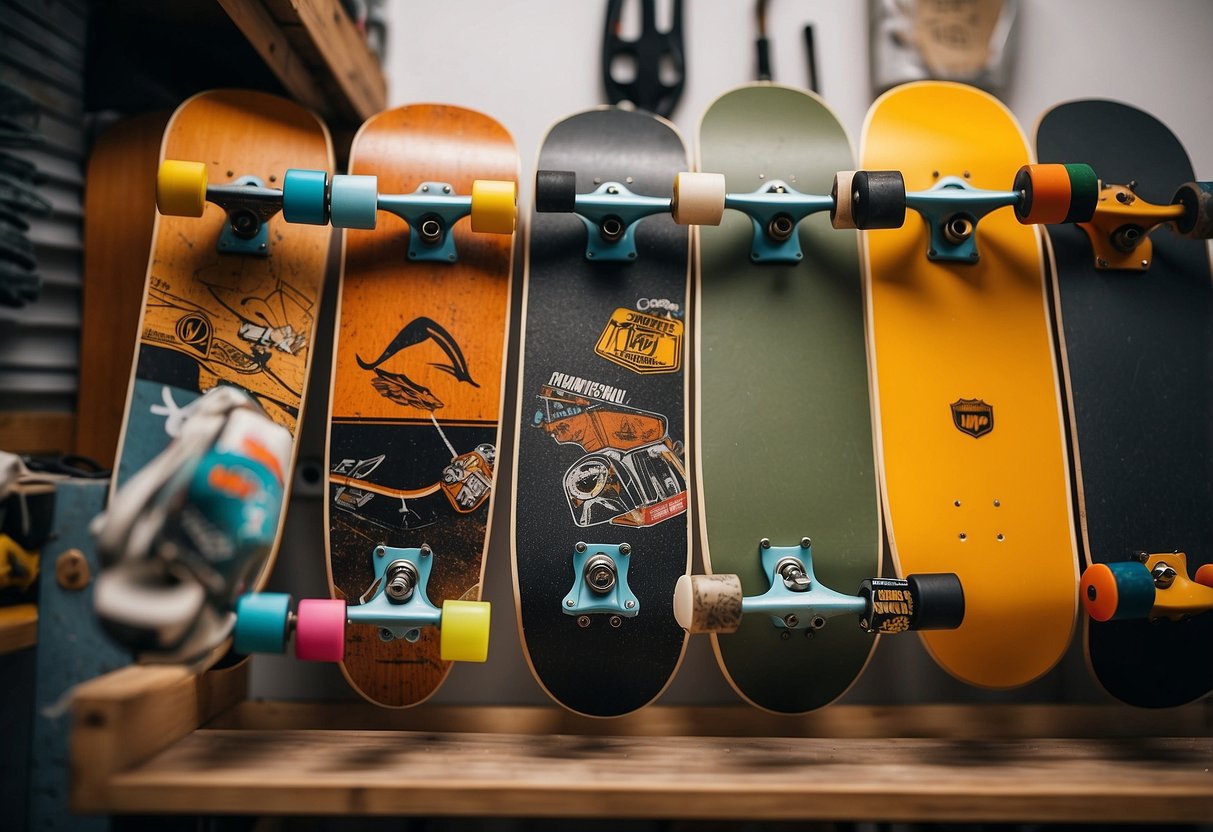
262 619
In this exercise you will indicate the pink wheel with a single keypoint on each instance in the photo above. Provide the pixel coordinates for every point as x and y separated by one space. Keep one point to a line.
320 630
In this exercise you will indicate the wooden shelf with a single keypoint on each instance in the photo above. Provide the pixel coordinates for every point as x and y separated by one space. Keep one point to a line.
137 747
18 628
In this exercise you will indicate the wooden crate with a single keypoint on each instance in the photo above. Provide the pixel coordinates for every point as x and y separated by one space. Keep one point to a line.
160 740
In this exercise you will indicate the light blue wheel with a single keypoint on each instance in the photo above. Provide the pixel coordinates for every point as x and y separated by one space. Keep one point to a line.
353 201
261 622
304 198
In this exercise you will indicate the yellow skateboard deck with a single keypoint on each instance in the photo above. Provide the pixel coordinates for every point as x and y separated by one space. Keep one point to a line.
970 438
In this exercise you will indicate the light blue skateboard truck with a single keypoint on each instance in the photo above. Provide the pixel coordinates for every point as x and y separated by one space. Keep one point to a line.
796 602
610 213
600 584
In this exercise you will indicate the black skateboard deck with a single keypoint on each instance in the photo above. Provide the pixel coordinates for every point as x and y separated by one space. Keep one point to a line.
602 426
1138 355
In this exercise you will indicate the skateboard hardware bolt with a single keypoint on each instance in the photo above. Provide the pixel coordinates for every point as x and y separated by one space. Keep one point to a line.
426 551
580 547
956 503
1124 198
570 603
385 634
430 230
765 543
967 174
964 536
793 574
785 634
401 580
600 574
625 548
1145 264
806 543
780 227
817 623
71 570
1141 557
1102 263
380 551
997 503
1163 575
615 620
1000 537
583 621
630 604
791 620
611 229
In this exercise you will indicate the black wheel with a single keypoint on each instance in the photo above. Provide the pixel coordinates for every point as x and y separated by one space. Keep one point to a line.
939 601
1197 201
555 191
878 199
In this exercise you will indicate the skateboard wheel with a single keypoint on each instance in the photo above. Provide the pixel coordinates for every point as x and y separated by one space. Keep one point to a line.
555 191
465 631
320 630
494 206
1044 194
1084 193
1204 575
939 600
878 199
181 188
841 214
1197 201
1112 591
262 619
699 198
305 197
354 201
708 603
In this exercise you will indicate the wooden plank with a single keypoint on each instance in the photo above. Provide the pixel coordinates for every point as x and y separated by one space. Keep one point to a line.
938 721
267 37
423 774
30 432
18 628
317 53
125 717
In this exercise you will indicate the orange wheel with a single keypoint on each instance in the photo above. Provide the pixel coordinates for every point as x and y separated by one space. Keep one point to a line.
1046 194
1099 594
1204 575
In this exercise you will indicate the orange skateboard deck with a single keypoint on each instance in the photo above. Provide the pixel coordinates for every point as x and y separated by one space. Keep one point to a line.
415 410
214 315
970 436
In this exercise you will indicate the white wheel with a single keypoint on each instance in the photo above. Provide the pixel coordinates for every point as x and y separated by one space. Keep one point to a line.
841 215
708 603
699 198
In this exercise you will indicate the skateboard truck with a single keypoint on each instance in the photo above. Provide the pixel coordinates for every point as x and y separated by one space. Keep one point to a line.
1121 226
182 190
600 584
775 209
953 206
1150 586
796 601
396 603
610 212
431 211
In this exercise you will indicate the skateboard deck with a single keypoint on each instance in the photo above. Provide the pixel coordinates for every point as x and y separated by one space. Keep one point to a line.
215 317
973 465
119 211
602 426
1137 346
784 428
415 410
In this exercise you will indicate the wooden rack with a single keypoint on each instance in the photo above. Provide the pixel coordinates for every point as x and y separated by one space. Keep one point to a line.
159 740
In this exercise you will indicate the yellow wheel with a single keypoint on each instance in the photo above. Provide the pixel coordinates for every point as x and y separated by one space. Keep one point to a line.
181 188
465 631
494 206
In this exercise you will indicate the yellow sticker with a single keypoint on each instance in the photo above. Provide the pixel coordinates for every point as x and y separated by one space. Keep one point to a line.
642 343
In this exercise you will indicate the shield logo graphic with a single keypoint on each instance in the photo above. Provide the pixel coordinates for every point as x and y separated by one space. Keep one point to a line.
973 416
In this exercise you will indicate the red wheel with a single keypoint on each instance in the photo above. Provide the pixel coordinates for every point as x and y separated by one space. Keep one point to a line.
320 630
1204 575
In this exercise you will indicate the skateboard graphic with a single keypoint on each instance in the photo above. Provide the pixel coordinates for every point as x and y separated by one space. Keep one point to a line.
600 514
783 416
415 409
970 440
1135 308
225 333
